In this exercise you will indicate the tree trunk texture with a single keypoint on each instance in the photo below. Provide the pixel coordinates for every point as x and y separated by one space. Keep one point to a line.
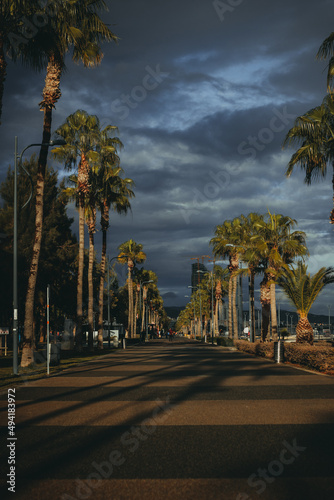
101 289
304 331
130 293
234 307
81 255
252 307
230 301
273 312
28 339
265 302
90 292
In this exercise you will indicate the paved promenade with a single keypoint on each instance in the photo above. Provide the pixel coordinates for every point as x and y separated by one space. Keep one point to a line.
177 420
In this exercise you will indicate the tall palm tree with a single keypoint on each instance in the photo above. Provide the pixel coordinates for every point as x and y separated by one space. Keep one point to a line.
114 193
302 289
77 25
229 241
279 246
314 132
131 253
254 261
81 133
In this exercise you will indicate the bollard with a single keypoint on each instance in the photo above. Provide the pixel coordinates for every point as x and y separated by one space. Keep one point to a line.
124 346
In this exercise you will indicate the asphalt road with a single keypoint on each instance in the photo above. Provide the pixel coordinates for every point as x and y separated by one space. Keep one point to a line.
176 420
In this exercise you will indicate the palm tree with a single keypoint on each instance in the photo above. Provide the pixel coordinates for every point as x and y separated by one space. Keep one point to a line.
131 253
229 241
76 25
314 132
279 246
326 51
253 258
302 289
114 193
81 133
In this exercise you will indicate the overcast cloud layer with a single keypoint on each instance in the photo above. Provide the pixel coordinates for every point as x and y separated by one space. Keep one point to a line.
203 94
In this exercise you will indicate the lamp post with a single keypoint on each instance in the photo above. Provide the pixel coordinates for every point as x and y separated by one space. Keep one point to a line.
17 165
329 318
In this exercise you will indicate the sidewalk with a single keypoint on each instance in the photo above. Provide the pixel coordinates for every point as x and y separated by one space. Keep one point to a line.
177 420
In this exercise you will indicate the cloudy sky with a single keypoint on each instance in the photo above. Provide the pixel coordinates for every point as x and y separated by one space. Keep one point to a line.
203 93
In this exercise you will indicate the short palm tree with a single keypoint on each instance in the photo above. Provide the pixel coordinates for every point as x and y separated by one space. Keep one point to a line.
302 289
131 253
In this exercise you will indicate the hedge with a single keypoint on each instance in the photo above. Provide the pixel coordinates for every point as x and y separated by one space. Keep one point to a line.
315 357
264 349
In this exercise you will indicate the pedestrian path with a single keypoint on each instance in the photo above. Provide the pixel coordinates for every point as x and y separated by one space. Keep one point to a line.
174 421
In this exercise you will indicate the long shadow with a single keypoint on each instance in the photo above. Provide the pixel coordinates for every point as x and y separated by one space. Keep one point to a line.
97 437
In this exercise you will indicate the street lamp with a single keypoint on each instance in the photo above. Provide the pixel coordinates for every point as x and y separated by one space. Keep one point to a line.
329 318
18 164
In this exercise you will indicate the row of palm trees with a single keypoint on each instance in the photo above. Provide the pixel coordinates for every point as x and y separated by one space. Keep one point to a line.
98 185
268 245
73 27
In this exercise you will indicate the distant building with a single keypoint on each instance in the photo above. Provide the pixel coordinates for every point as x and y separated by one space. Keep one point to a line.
196 277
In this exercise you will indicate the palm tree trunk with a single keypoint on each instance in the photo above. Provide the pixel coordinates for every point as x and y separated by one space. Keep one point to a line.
234 306
28 341
90 291
304 330
101 289
81 255
230 301
130 293
252 308
265 303
135 314
273 312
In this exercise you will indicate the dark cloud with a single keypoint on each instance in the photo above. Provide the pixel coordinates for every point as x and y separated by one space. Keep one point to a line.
197 100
